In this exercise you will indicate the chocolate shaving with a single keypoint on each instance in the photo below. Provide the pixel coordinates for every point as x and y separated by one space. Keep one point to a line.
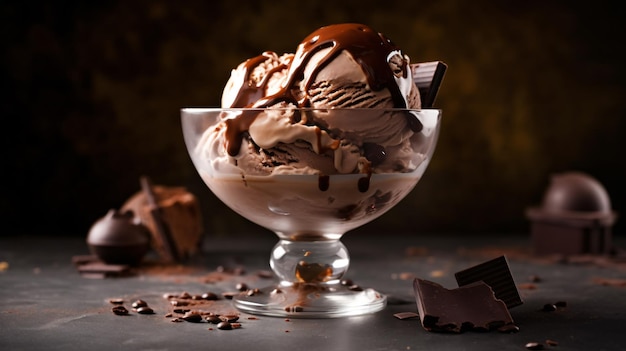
162 228
406 315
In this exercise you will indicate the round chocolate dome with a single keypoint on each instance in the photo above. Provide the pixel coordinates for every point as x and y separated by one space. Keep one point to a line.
576 192
117 239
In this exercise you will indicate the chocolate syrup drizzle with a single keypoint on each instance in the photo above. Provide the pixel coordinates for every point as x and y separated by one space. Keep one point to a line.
369 49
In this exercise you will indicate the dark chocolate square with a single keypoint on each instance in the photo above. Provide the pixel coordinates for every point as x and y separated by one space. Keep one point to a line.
497 275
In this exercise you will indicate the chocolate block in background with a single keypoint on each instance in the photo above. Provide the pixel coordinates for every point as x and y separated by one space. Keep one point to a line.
172 214
470 307
497 275
575 217
550 236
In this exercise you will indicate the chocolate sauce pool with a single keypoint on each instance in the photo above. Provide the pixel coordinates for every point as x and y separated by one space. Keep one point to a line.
368 48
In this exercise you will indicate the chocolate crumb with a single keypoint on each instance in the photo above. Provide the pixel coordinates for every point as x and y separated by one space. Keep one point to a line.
229 318
116 301
534 346
548 307
229 295
224 325
145 310
406 315
552 342
210 296
120 310
508 328
213 319
139 303
193 317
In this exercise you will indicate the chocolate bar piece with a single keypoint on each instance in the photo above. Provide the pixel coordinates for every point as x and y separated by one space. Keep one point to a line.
428 76
471 307
497 275
101 270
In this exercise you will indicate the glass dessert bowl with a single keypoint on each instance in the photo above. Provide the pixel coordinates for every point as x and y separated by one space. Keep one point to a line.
296 196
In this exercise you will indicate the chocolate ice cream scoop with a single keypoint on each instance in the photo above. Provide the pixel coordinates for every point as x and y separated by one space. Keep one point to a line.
117 239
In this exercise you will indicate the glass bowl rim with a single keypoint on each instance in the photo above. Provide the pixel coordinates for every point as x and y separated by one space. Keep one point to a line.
342 109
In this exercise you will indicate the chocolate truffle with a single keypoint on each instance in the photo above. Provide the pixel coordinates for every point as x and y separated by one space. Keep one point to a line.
118 239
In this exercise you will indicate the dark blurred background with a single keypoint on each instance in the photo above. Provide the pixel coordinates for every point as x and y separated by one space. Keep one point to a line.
92 92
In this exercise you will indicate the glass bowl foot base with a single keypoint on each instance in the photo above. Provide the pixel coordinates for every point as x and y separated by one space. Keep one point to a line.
311 301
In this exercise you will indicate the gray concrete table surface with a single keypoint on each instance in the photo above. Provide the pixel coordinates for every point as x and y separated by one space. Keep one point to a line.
45 304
